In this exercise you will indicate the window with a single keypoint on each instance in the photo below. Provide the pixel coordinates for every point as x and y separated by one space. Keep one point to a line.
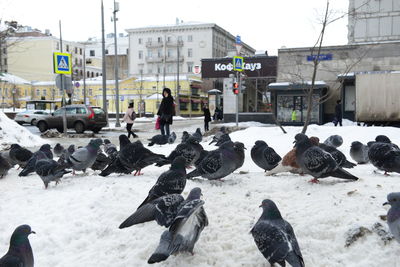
44 92
37 92
190 67
92 53
81 110
5 61
67 48
90 91
170 53
140 54
190 52
158 69
190 38
80 62
106 51
183 106
58 112
127 51
159 52
76 50
76 61
87 74
5 50
195 106
149 39
141 71
140 41
80 51
57 46
169 39
70 111
159 39
154 88
149 53
179 38
150 70
170 68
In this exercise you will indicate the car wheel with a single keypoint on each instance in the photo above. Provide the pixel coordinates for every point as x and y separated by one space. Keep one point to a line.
42 126
79 127
96 130
33 122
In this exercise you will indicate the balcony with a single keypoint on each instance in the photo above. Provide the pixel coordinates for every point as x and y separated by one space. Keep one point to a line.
153 44
154 59
174 58
174 43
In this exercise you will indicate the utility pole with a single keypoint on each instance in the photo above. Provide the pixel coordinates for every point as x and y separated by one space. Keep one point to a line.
238 44
103 58
157 103
116 9
177 78
84 76
63 90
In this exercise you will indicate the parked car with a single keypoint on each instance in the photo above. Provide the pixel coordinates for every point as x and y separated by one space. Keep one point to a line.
30 116
79 117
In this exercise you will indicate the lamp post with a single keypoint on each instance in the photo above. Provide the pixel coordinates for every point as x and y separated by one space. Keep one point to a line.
157 103
116 9
177 77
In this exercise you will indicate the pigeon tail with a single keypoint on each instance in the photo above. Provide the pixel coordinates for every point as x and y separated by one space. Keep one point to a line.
295 260
340 173
25 172
157 257
151 143
162 251
142 215
107 171
194 173
163 162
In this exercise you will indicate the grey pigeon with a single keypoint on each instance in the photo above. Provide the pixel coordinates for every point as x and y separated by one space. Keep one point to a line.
339 157
65 154
190 150
203 154
359 152
185 229
30 165
220 162
275 237
110 149
58 150
393 215
172 138
84 157
172 181
101 162
20 252
334 140
384 155
123 141
6 155
49 170
163 210
158 139
20 155
132 157
185 136
317 162
4 166
264 156
221 139
197 135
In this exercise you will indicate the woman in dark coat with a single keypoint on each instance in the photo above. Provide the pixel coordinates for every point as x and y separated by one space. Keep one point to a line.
207 117
166 111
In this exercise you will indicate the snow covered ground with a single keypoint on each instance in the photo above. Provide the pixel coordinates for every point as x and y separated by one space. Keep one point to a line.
77 221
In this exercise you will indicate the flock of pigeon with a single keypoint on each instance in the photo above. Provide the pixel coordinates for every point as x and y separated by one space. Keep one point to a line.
185 219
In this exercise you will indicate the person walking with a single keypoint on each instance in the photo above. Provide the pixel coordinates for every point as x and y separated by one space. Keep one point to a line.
129 118
166 111
338 113
207 117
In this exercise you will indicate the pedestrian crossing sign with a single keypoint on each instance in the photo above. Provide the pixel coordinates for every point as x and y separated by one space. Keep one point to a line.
62 63
238 63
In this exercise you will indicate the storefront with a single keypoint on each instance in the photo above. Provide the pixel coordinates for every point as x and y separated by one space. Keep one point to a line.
290 102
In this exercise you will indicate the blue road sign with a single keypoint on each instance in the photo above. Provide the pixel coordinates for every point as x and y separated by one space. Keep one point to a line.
238 40
62 63
238 63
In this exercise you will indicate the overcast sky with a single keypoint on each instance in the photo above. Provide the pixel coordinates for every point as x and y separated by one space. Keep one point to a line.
263 24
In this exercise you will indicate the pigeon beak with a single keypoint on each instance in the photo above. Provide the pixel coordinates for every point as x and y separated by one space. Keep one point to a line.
33 232
386 203
212 141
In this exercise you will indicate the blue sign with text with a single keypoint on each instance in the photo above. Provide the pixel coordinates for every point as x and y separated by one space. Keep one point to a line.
320 58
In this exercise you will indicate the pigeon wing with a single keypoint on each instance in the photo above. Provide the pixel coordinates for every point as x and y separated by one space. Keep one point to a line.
271 156
318 162
9 260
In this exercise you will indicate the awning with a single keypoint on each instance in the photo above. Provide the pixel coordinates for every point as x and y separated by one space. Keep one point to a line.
183 100
196 101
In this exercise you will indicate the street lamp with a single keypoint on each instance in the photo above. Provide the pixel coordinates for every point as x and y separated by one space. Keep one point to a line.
157 103
116 9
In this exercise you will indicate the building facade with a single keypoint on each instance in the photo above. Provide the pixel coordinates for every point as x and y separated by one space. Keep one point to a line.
373 21
172 49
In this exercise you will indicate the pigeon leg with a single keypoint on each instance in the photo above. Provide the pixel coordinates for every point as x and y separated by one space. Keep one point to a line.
189 167
386 174
140 173
314 181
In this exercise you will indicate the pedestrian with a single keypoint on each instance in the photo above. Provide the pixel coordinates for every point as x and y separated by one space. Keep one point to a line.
294 115
207 117
129 118
166 111
338 113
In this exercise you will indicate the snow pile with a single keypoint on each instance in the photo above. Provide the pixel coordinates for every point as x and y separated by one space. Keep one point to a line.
11 132
77 221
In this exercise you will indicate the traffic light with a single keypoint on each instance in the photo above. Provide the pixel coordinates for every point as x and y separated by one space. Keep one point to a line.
235 88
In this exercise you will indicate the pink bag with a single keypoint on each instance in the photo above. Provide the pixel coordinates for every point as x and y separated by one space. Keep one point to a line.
158 123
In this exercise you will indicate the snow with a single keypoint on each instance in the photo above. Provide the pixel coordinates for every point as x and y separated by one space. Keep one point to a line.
11 132
77 221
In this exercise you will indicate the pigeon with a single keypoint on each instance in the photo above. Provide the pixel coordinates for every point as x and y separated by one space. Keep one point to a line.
203 154
65 154
110 149
221 140
383 154
385 139
30 165
393 215
172 138
359 152
190 150
185 229
220 162
264 156
6 155
317 162
132 157
275 237
185 136
4 166
49 170
58 150
20 155
158 139
84 157
101 162
334 140
197 135
172 181
123 141
339 157
20 252
163 210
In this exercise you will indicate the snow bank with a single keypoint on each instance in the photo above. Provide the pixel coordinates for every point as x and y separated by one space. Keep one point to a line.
11 132
77 221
